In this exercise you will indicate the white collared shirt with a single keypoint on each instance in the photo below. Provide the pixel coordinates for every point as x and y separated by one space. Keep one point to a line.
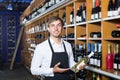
41 60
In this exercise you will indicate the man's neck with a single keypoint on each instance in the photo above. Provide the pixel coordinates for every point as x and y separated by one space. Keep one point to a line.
57 40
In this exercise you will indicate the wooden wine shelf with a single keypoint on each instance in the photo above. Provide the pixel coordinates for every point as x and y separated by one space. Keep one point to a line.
108 72
111 18
47 11
81 30
94 21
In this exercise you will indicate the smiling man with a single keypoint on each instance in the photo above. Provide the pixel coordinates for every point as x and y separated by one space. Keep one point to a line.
53 58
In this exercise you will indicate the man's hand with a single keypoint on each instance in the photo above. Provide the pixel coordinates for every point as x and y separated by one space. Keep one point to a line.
57 69
82 66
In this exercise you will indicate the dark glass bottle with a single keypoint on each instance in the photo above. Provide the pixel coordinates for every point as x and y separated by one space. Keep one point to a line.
93 76
64 18
77 16
116 6
116 57
99 55
93 10
80 14
110 8
72 16
95 55
84 11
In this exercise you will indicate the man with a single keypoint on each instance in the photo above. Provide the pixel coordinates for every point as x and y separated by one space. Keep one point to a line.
53 58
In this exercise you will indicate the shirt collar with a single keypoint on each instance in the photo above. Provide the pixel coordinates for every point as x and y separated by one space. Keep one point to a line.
53 42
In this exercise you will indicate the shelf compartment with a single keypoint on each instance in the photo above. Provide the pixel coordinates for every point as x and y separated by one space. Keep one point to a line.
110 73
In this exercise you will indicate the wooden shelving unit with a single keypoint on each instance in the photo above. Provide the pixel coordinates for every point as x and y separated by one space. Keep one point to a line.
105 25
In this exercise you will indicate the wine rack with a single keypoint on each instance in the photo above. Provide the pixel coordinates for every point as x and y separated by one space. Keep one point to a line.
88 32
11 35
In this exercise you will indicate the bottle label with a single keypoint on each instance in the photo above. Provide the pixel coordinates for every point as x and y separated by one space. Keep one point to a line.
77 19
92 17
96 16
98 64
95 62
100 15
80 18
84 16
119 66
115 13
91 61
109 13
115 66
71 18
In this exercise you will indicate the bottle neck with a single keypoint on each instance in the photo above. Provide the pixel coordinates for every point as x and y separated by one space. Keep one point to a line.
109 51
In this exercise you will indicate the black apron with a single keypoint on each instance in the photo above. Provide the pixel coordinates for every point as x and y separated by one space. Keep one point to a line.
61 57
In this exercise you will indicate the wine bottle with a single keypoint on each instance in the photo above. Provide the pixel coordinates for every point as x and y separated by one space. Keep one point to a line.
115 65
118 57
64 18
80 14
99 55
109 58
95 34
77 16
98 77
47 4
72 16
110 8
92 57
98 9
93 10
95 55
83 61
116 6
84 11
115 33
93 76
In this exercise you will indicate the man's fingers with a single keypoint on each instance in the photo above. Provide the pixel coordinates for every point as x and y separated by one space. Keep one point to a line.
57 64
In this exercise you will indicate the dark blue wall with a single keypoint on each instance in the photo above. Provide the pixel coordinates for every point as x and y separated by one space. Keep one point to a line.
4 35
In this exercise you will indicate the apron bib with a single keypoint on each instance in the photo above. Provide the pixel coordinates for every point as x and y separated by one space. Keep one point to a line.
61 57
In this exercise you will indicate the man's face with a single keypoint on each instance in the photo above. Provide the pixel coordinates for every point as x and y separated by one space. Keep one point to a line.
55 28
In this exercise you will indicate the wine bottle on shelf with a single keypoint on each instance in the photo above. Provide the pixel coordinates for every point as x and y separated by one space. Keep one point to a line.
95 55
89 48
47 4
64 18
109 58
99 55
116 57
77 16
72 16
84 11
116 33
98 77
93 10
110 8
98 9
83 61
92 57
116 6
80 14
117 51
93 76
